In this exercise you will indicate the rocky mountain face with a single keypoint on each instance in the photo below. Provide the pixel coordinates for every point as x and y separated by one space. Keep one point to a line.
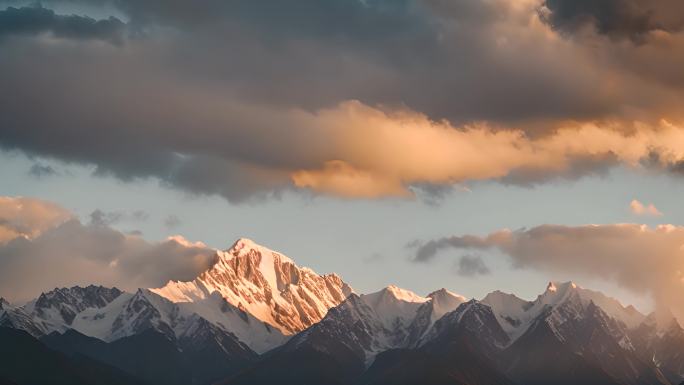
350 336
62 305
439 303
17 318
265 284
595 344
255 317
369 324
463 347
473 321
661 343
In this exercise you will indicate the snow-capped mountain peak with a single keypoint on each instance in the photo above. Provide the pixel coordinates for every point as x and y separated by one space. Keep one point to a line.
444 301
499 297
515 315
558 293
266 284
368 324
245 246
511 311
394 305
474 317
394 293
445 294
563 286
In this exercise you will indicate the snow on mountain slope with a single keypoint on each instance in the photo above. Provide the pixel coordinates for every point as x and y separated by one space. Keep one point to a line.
572 318
99 323
17 318
443 301
510 311
131 314
256 334
56 310
582 327
557 292
265 284
372 323
394 307
126 315
515 314
472 320
439 303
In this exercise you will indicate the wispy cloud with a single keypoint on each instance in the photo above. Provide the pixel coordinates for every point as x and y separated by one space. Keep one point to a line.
172 222
107 218
39 170
639 208
471 266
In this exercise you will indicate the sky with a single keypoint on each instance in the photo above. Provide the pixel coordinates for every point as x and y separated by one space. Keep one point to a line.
468 144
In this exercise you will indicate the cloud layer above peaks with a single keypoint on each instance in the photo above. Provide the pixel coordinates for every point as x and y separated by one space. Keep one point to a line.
357 99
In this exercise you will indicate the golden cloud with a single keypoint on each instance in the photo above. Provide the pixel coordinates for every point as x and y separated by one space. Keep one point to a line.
382 153
28 217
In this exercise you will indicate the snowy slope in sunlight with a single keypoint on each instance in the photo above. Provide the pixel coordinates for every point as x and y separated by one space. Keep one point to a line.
266 284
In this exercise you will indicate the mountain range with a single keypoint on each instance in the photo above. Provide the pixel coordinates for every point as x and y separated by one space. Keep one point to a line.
255 317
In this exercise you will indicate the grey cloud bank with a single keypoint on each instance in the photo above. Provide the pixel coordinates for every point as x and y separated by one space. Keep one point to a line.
247 99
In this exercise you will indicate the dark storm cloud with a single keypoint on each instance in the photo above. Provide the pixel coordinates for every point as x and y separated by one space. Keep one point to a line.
36 20
617 18
245 99
443 58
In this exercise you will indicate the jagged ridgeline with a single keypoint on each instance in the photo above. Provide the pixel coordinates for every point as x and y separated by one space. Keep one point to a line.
255 317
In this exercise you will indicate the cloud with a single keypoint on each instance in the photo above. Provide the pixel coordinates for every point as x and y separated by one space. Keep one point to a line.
139 215
617 18
639 208
637 257
172 222
36 20
65 253
28 217
350 110
440 154
101 218
471 266
38 170
108 218
373 258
